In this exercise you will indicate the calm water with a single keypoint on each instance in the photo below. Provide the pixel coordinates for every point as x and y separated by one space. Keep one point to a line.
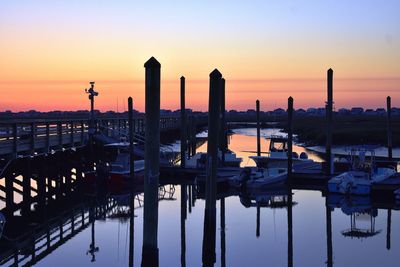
252 236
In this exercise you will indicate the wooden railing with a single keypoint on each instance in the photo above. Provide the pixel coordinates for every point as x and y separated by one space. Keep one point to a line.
30 137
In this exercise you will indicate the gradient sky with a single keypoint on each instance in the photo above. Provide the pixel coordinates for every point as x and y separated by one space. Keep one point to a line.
50 50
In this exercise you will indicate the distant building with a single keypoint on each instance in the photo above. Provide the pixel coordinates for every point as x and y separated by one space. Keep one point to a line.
380 111
344 111
357 111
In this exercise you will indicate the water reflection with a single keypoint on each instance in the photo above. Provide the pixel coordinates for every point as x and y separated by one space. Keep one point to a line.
279 227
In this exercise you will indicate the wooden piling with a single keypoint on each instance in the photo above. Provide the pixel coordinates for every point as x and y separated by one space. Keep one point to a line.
183 124
329 112
152 158
290 137
9 184
15 140
131 152
223 132
258 128
389 127
211 168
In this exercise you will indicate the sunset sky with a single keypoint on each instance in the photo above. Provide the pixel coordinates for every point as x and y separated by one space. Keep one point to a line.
50 50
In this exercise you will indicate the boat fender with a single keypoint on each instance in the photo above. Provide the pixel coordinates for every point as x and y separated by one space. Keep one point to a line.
303 155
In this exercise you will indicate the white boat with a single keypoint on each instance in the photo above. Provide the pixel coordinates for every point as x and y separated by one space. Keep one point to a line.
2 223
259 178
277 155
199 160
397 194
359 180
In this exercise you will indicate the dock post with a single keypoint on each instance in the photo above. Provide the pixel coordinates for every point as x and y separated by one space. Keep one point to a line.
26 187
47 137
222 141
329 108
131 154
15 140
183 124
9 184
32 138
258 128
152 159
290 137
389 127
193 136
211 169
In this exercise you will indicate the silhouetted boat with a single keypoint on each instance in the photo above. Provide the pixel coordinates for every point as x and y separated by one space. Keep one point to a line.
116 176
277 155
259 178
199 160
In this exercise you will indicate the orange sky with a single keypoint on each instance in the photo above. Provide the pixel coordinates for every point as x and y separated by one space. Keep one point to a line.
50 51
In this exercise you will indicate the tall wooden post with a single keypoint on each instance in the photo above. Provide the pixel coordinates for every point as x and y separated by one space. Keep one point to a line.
211 168
389 127
328 111
15 140
152 162
222 141
183 124
258 128
290 138
131 152
9 184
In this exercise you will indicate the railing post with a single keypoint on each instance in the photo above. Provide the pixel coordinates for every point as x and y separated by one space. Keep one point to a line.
15 140
47 137
82 132
72 133
60 133
32 137
152 158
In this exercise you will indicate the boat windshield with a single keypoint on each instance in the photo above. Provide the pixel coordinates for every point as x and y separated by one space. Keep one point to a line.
278 145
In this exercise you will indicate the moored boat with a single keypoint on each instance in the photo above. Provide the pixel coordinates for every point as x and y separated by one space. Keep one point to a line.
364 173
277 155
199 160
259 178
